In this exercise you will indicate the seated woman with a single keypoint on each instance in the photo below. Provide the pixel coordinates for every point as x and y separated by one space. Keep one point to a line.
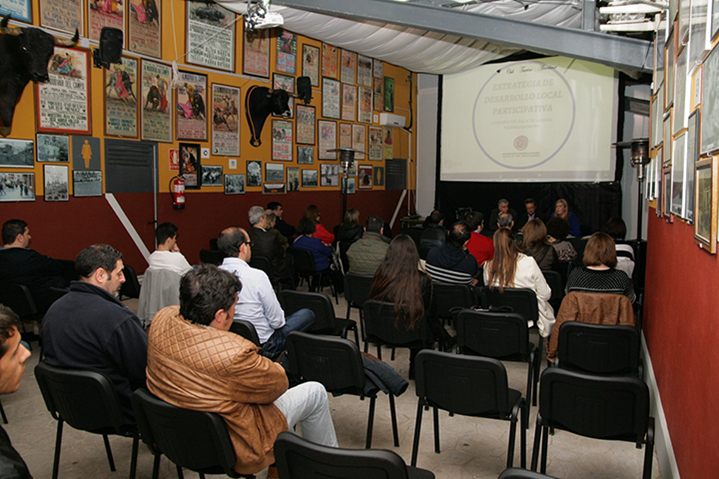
313 213
561 209
512 269
350 230
557 231
305 240
598 275
537 245
617 229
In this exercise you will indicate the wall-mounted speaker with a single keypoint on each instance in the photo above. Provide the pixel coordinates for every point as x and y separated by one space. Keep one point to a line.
110 50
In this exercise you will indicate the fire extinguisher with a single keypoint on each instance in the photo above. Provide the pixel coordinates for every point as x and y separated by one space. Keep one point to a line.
177 189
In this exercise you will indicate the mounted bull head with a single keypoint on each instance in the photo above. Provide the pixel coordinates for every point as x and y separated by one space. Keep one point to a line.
259 103
24 56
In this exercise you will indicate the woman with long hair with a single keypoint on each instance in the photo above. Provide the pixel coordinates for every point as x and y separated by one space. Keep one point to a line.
537 245
561 209
350 230
510 268
313 213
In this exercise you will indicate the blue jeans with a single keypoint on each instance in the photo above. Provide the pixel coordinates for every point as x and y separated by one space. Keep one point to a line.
299 321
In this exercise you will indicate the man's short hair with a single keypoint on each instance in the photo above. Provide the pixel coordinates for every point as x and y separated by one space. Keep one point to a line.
502 201
505 220
9 325
474 219
459 234
616 228
273 205
374 224
230 240
530 200
11 229
255 214
97 256
205 291
435 217
164 232
306 226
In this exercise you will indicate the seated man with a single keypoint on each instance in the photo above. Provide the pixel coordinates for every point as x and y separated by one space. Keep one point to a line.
267 244
529 214
366 254
502 207
479 246
452 263
505 220
167 255
21 265
89 328
194 362
287 230
434 233
12 366
257 302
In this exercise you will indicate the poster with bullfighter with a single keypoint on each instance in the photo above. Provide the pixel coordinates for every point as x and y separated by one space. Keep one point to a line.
190 110
156 103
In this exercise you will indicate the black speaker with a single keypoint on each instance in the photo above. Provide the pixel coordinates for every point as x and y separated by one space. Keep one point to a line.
110 50
304 89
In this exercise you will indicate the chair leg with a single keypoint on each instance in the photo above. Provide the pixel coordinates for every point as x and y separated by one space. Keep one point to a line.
156 467
530 378
393 349
2 413
58 443
435 419
202 476
356 336
379 352
133 459
513 433
370 422
108 450
545 445
417 429
537 440
649 450
524 425
180 475
393 414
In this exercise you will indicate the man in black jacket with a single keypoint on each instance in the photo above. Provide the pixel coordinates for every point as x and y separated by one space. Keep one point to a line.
287 230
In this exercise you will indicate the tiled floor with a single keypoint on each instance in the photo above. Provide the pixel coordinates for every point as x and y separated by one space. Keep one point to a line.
471 447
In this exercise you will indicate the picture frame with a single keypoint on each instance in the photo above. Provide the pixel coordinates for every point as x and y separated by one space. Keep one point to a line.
309 178
18 9
710 102
17 187
225 126
388 94
327 139
281 141
311 64
365 176
330 98
286 83
329 174
705 224
345 135
120 96
348 66
305 155
698 44
350 184
364 70
212 175
144 28
379 176
680 93
349 102
377 68
713 20
692 155
17 153
274 172
684 21
63 15
697 88
286 52
86 183
330 61
56 182
359 141
98 17
305 124
191 165
256 53
273 188
190 111
667 193
210 35
254 173
235 184
669 62
293 179
667 139
659 43
678 170
375 143
378 94
364 105
53 148
156 112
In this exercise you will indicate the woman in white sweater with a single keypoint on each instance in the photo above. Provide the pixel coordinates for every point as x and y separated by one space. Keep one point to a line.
512 269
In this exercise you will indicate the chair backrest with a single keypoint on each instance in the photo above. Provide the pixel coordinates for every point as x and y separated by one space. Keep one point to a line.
319 303
602 407
598 348
195 440
262 263
68 270
494 335
523 301
213 244
298 457
18 298
448 296
211 257
86 400
131 286
160 288
469 385
357 288
246 330
554 281
517 473
304 261
334 362
380 325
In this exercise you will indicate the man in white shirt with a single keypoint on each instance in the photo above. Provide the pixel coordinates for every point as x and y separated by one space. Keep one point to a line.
167 255
257 302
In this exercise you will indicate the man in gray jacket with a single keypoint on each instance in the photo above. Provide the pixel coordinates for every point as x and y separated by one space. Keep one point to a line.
366 254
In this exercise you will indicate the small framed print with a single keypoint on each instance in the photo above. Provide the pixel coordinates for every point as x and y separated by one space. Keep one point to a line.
379 175
305 124
378 94
190 113
120 94
377 68
305 155
17 153
690 173
191 165
349 102
364 105
705 184
54 148
234 184
144 25
667 193
106 13
19 9
56 182
349 185
286 52
225 120
364 70
281 140
714 20
211 175
349 64
365 176
668 139
710 102
375 143
273 188
669 72
327 139
17 187
286 83
329 174
309 178
254 173
678 170
330 61
256 56
293 179
388 94
86 183
274 173
359 140
311 64
330 98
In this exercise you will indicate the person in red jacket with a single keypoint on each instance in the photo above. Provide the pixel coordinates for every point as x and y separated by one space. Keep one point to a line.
313 212
479 246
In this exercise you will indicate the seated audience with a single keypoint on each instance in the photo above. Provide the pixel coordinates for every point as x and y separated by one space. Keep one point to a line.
502 207
22 265
306 240
267 244
89 328
434 233
598 275
287 230
313 212
452 263
557 231
529 213
257 302
510 268
167 255
12 366
617 229
479 246
272 228
367 254
537 246
505 220
195 362
561 210
350 230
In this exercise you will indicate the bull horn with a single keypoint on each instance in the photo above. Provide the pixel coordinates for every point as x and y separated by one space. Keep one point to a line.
64 42
7 30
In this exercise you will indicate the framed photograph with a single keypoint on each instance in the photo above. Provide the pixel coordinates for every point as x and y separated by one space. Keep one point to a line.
281 140
330 61
309 178
190 165
305 124
348 67
62 15
274 173
55 148
345 135
349 102
210 36
388 94
330 98
350 184
156 104
327 139
654 121
234 184
17 187
305 155
329 174
713 20
359 140
19 9
256 56
660 113
692 155
225 120
144 28
286 83
698 44
710 103
254 173
273 188
293 179
705 226
105 13
659 43
680 93
364 105
379 175
667 194
120 96
684 19
86 183
377 68
658 182
365 176
211 175
678 171
668 140
286 52
375 143
17 153
378 93
364 70
669 62
63 103
191 114
311 64
56 182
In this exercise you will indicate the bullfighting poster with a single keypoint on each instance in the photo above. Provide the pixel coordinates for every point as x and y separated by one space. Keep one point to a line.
210 36
120 94
256 54
286 52
105 13
191 98
225 120
156 105
63 15
144 27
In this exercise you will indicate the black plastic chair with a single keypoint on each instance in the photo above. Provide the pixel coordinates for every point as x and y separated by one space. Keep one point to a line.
68 270
87 401
503 336
321 305
599 349
211 257
555 282
305 268
448 298
246 330
600 407
337 365
131 287
2 413
195 440
516 473
470 386
262 263
357 288
297 457
523 301
381 330
19 298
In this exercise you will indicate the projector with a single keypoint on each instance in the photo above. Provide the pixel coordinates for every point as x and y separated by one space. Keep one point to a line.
258 21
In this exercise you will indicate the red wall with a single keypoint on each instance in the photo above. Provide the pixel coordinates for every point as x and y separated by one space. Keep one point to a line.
681 326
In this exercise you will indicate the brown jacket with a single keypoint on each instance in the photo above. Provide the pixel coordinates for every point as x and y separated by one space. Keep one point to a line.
594 308
205 369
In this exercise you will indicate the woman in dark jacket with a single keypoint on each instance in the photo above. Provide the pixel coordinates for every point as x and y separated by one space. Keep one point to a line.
350 231
537 245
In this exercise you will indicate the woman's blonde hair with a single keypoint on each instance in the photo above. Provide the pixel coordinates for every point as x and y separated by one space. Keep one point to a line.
502 268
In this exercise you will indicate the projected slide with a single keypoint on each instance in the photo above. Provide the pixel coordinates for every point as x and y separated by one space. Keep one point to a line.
550 119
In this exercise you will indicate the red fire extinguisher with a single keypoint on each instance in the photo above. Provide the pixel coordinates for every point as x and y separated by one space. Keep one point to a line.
177 189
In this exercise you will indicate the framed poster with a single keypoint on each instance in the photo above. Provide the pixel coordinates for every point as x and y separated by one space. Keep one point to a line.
329 174
18 9
293 179
234 184
710 103
692 155
388 94
327 139
156 110
311 64
713 20
256 53
56 182
55 148
190 165
211 175
680 93
17 187
350 184
225 120
377 68
105 13
281 142
388 143
669 72
678 169
379 175
359 140
365 176
364 70
364 105
120 97
705 184
16 153
210 36
667 194
254 173
86 183
305 124
330 98
345 135
697 89
286 83
63 103
330 61
378 94
349 102
375 143
144 28
698 43
305 155
191 114
63 15
348 67
286 52
309 178
668 139
659 43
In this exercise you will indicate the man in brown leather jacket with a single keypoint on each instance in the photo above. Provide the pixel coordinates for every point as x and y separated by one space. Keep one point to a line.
195 362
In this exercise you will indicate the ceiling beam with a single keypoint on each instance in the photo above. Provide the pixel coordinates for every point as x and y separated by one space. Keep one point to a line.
622 53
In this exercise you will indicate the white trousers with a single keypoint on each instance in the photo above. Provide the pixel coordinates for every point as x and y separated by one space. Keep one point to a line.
306 405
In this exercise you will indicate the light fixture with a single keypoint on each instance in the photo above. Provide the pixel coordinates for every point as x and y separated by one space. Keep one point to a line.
259 16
